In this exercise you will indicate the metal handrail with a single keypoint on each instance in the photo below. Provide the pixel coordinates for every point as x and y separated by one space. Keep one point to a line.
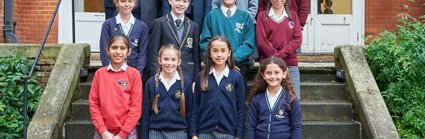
26 78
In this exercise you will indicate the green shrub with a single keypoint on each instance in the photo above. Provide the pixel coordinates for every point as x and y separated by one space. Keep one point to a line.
397 60
12 69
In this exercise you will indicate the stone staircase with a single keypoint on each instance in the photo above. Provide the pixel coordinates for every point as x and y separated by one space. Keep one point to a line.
327 109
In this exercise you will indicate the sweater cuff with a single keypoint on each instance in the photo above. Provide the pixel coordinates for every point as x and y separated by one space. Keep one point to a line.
122 135
101 130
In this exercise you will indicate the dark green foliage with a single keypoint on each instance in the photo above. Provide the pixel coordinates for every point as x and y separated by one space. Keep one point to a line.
397 61
12 69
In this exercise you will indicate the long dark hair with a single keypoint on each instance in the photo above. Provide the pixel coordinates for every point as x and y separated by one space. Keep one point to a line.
285 6
260 84
208 61
182 110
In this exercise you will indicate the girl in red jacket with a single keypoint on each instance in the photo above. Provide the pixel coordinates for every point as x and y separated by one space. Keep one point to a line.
115 99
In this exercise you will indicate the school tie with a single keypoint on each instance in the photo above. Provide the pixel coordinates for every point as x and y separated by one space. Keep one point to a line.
229 13
178 23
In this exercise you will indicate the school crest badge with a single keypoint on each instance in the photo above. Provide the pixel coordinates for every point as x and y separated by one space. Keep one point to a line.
239 27
123 83
135 42
280 113
291 24
178 94
229 87
189 42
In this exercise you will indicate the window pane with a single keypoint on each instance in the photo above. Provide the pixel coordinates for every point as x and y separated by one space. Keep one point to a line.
334 6
88 6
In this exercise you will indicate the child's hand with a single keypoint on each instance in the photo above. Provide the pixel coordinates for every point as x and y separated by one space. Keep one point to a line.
107 135
116 137
194 137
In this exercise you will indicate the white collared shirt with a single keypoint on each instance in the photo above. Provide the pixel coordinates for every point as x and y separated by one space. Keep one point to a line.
175 18
125 27
122 68
173 80
224 73
272 99
224 10
275 17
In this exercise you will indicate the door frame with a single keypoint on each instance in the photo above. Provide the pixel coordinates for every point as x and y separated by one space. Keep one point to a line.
357 16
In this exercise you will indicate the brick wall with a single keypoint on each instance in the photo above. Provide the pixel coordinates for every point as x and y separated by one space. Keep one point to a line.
32 17
43 69
382 14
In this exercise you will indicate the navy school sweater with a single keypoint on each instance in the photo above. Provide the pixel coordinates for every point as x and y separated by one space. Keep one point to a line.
168 118
279 123
138 37
221 108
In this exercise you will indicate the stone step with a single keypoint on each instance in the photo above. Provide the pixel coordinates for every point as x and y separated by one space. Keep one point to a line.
84 90
318 77
310 130
302 57
323 91
311 110
80 129
309 90
331 130
80 110
327 110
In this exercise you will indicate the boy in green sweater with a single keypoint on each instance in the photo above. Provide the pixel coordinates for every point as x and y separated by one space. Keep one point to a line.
237 26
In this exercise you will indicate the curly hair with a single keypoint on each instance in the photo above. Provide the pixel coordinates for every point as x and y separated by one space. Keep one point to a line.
260 84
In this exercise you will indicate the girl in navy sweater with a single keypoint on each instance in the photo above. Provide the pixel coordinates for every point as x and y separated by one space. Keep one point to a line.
275 111
136 31
167 99
219 96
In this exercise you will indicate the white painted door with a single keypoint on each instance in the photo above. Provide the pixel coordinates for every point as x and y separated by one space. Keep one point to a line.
88 23
345 26
88 26
307 45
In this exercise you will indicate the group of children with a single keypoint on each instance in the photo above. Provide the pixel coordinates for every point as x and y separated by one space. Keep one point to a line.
182 100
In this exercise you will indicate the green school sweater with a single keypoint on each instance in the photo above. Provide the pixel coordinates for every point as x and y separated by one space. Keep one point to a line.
238 29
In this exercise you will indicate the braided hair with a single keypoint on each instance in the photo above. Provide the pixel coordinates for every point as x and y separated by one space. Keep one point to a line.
182 109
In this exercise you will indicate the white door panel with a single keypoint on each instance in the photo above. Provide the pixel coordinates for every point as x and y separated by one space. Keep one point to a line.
307 45
88 27
342 27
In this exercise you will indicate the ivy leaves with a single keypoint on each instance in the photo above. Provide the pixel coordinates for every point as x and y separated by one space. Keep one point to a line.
12 69
397 60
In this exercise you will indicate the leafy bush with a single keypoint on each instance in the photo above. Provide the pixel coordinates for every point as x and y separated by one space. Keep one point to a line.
12 69
397 61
